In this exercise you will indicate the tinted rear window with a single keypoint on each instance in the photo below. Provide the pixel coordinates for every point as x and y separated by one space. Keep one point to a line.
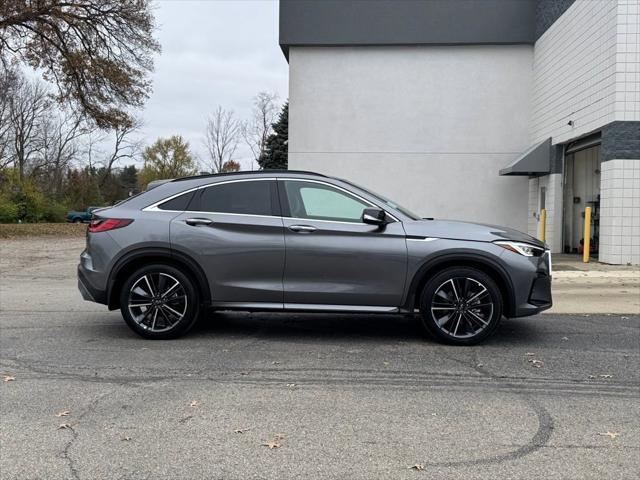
179 203
248 197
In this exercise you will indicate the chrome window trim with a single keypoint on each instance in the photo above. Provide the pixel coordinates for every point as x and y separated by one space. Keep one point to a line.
368 202
154 206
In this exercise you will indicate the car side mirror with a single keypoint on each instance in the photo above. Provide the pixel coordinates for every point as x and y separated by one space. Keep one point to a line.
374 216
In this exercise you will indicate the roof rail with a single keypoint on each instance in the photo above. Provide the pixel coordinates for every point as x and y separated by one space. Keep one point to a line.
247 172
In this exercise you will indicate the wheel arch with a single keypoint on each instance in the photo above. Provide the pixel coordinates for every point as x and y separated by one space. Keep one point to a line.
135 259
474 260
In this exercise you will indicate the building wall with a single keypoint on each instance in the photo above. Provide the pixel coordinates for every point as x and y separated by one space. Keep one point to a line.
553 206
620 212
574 72
429 126
586 70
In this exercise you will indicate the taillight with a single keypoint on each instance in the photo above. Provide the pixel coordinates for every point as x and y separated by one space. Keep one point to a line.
106 224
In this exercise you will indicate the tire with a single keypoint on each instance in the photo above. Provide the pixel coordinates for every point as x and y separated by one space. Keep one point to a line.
158 316
460 306
77 220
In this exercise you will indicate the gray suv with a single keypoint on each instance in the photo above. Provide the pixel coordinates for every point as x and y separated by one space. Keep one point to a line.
300 241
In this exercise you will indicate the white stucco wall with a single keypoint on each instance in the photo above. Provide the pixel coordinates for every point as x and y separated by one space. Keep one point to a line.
429 126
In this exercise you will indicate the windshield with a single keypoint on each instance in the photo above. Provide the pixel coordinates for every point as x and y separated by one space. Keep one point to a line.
386 201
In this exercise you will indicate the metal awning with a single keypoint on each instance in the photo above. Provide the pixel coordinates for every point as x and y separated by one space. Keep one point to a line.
535 161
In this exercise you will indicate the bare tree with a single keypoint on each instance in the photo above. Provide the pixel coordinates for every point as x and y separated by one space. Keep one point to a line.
256 130
124 146
222 136
29 106
8 81
59 147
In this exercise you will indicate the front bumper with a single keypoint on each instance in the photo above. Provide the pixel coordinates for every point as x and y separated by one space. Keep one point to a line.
533 289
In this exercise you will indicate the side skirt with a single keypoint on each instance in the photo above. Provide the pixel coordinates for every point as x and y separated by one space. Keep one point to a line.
304 307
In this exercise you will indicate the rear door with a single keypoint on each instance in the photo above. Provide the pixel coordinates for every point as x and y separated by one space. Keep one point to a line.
333 258
233 229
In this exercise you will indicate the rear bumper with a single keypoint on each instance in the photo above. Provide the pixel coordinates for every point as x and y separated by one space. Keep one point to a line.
88 291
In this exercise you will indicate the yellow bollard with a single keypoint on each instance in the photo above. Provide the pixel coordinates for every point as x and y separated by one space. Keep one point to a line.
586 243
543 224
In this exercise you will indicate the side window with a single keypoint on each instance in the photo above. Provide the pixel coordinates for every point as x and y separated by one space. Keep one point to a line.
247 197
180 203
322 202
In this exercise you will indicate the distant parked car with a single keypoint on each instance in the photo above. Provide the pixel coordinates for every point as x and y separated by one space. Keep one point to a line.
299 241
81 217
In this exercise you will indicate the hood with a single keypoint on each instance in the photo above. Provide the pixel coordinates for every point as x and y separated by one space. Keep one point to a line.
476 232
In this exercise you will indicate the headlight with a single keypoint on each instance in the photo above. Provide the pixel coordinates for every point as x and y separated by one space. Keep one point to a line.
525 249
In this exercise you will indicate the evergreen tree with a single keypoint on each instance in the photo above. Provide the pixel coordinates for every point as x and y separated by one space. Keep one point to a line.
275 154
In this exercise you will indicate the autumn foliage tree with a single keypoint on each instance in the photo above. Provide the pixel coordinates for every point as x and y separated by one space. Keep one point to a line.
166 158
97 53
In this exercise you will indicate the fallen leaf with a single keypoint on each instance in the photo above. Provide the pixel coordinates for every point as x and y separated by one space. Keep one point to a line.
279 436
242 430
244 373
271 445
385 363
565 339
530 354
417 466
480 365
8 378
609 434
291 385
64 426
536 363
126 439
624 318
275 363
605 376
194 403
592 376
64 413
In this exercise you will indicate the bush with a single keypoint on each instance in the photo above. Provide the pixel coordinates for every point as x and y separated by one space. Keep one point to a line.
55 212
8 210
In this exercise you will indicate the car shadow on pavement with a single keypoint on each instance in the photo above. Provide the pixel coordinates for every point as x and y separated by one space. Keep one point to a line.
307 327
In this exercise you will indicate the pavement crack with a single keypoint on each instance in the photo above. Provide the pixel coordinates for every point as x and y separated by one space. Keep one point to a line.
66 451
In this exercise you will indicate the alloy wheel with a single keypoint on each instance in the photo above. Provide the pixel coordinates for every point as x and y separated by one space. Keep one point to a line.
462 307
157 302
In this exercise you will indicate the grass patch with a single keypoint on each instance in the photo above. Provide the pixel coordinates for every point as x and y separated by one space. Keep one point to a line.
18 230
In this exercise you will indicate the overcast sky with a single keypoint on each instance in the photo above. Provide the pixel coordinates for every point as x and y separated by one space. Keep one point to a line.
214 52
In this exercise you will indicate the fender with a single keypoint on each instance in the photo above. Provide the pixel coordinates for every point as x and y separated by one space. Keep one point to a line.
158 252
461 257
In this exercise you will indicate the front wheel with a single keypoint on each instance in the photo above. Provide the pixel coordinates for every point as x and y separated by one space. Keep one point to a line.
461 306
159 302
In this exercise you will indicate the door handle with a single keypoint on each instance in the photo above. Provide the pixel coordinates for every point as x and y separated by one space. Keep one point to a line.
302 228
198 221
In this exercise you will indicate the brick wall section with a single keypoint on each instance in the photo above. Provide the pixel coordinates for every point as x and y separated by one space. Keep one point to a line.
575 72
547 12
627 100
620 212
621 140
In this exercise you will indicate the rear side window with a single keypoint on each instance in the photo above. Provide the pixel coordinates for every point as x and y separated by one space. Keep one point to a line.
179 203
247 197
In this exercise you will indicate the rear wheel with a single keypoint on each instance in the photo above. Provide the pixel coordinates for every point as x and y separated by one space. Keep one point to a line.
461 306
159 302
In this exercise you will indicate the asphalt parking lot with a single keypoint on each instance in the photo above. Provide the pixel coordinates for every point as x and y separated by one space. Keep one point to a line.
357 397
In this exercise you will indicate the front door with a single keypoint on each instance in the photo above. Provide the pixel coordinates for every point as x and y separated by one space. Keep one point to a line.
234 231
332 257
